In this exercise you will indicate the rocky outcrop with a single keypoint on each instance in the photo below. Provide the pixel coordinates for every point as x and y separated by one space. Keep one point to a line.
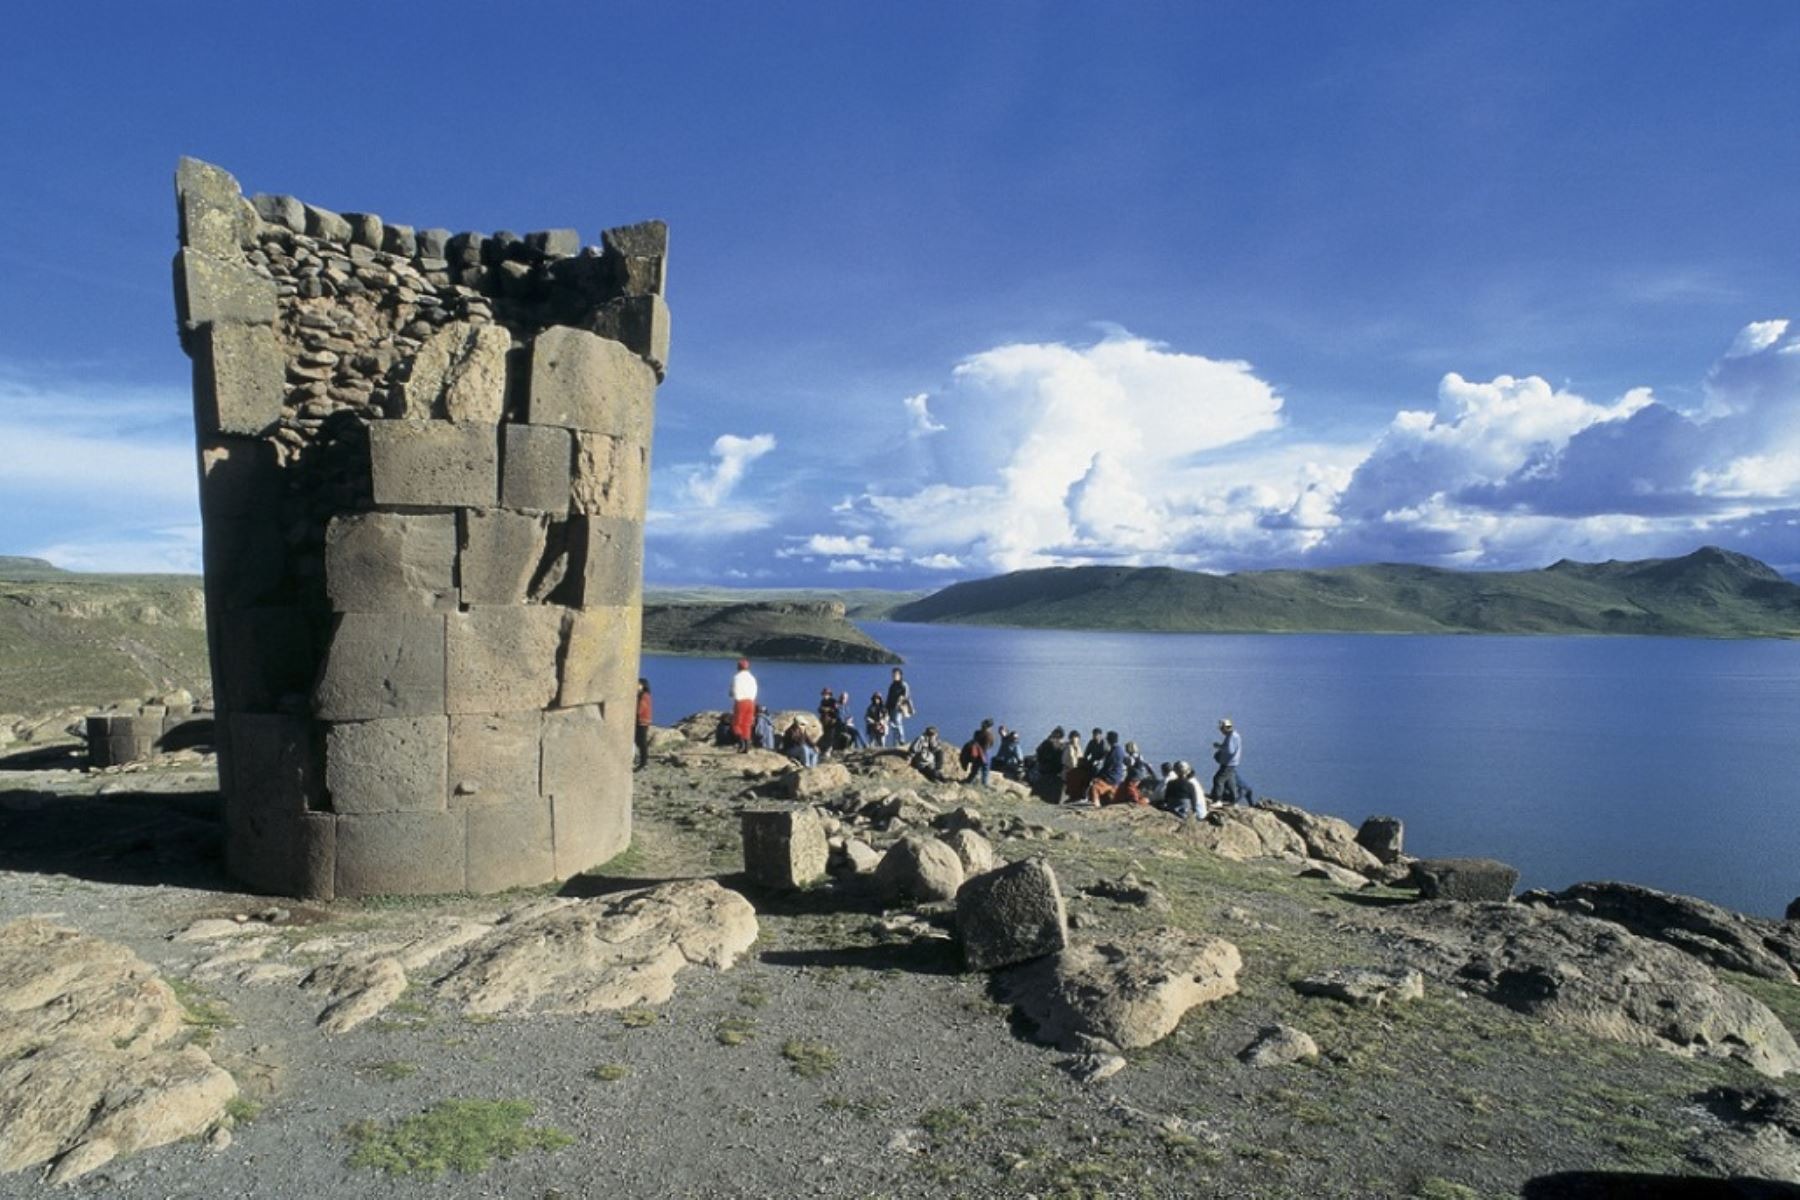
795 632
611 952
1716 936
1464 879
1125 993
91 1065
1590 975
1326 838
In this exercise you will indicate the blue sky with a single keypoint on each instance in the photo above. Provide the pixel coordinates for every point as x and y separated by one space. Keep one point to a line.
963 288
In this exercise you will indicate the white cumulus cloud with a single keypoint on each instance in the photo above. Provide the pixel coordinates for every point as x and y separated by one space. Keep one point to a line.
732 456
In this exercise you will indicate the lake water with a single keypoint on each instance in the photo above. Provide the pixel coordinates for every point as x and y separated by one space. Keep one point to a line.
1663 761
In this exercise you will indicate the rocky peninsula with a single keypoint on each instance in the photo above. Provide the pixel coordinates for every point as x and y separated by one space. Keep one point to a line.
852 980
809 631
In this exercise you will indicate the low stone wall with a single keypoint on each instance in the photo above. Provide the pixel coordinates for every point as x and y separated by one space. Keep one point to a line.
424 460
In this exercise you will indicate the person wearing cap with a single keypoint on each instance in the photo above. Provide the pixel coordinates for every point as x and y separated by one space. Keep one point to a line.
743 705
1228 753
899 707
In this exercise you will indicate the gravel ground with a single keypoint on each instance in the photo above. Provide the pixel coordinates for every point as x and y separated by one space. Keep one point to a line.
929 1089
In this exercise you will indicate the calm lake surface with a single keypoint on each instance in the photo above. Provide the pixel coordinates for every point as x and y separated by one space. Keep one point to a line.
1663 761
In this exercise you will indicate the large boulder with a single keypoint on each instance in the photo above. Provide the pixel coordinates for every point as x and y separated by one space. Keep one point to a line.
811 784
1326 838
1716 936
784 848
1464 879
1272 836
975 851
1590 975
1384 837
91 1065
701 727
1011 915
600 954
906 806
1129 992
919 868
889 766
808 721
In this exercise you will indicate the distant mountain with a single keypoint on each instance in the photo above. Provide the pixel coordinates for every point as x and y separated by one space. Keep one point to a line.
14 569
1709 593
860 604
812 632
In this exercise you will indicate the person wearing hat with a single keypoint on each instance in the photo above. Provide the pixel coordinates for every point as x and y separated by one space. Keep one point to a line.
1228 752
743 705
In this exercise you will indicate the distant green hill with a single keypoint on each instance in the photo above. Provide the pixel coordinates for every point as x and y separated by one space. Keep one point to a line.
813 632
1709 593
71 638
860 604
14 569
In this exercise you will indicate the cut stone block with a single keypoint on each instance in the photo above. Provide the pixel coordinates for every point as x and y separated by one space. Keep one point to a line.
500 553
534 467
211 206
275 764
433 464
639 256
580 380
503 659
555 243
239 379
391 562
285 211
400 240
612 476
494 758
238 477
326 225
587 779
510 845
394 765
210 289
459 373
382 665
1464 879
365 229
266 656
434 243
640 324
606 561
417 854
600 655
1011 915
784 848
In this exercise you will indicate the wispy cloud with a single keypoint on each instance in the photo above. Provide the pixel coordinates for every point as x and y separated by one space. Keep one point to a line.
918 415
732 456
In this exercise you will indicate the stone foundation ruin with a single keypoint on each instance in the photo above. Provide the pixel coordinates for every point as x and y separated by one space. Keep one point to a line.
423 467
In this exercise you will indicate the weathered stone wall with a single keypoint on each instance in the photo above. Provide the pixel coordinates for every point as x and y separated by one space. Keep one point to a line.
423 467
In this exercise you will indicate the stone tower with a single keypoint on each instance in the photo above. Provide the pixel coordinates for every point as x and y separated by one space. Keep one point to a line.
423 468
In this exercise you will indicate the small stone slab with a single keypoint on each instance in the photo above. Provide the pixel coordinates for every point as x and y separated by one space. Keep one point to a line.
784 848
434 464
1475 879
1011 915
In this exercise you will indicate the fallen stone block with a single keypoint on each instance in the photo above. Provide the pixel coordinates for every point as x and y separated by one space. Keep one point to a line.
1011 915
920 869
1128 992
783 848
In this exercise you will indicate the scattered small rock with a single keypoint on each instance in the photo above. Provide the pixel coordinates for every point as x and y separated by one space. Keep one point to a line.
1369 987
1279 1045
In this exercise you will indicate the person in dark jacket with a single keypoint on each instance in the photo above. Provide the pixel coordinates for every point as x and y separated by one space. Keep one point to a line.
1110 774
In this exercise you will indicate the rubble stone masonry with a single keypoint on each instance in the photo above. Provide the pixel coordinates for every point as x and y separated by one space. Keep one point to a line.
424 459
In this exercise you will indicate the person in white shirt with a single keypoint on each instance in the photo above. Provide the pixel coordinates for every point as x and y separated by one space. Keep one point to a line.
743 705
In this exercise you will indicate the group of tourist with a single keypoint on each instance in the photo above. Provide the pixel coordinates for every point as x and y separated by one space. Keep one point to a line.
1103 770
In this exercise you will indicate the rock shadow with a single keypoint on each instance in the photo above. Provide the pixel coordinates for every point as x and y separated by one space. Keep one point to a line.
173 839
64 756
1368 901
925 956
1624 1185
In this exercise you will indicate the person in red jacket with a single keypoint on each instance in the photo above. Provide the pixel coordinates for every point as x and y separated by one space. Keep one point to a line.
643 725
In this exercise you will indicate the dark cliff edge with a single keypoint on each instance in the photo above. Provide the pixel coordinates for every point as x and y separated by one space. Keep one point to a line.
1709 593
811 632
